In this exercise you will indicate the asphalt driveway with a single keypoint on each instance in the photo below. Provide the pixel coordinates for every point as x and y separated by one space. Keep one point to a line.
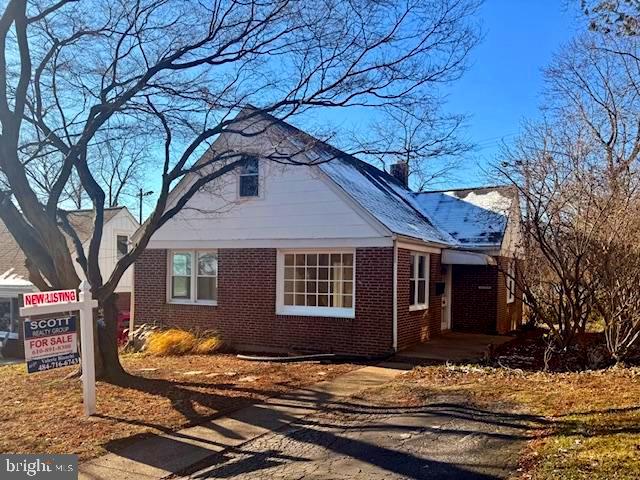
349 441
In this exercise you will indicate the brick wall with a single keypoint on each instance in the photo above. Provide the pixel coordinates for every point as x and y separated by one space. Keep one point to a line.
473 298
419 325
245 315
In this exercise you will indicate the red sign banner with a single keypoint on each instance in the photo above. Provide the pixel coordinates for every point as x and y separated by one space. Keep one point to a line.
49 298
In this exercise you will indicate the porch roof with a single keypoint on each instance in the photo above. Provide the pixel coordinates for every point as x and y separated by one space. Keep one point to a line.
461 257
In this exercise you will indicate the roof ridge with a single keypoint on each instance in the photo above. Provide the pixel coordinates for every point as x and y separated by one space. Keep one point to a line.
81 210
485 187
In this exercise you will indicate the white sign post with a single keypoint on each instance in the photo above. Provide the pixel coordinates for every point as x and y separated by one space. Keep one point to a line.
47 303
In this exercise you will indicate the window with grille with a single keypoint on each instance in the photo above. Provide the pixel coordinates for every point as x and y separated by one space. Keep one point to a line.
317 283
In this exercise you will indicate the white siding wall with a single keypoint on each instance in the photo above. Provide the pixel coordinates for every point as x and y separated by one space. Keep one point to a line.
295 203
121 224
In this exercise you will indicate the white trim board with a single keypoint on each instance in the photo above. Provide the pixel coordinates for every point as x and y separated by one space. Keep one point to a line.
416 247
273 243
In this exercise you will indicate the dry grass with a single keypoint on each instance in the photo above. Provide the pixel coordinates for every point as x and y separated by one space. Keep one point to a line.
42 413
207 346
594 428
171 342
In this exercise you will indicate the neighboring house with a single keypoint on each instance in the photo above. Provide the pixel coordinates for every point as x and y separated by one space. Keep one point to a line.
333 257
119 226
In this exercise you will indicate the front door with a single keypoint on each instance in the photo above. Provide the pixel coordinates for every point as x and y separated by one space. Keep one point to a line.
446 301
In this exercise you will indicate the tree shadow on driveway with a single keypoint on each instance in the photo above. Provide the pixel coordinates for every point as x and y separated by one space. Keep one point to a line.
307 430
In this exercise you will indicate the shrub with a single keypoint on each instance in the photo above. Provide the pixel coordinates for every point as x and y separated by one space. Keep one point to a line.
181 342
171 342
208 345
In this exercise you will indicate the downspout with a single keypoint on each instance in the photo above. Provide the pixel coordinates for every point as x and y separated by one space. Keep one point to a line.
395 294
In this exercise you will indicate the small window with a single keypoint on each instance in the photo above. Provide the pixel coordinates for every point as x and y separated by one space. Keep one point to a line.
194 276
249 178
511 282
122 244
419 281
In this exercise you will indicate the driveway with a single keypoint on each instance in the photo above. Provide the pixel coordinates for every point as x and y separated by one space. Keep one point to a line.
444 440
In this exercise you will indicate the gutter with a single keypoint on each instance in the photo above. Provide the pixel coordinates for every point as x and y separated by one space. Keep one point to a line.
395 295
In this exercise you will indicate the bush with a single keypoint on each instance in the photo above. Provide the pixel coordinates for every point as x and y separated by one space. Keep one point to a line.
208 345
171 342
181 342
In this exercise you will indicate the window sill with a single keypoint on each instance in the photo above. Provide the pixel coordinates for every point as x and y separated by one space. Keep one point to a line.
190 302
316 312
510 301
413 308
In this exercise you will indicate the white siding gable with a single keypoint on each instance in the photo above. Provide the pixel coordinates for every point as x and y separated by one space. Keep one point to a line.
121 224
297 206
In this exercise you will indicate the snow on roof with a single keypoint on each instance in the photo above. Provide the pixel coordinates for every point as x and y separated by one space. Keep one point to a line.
382 196
472 218
378 192
11 278
476 218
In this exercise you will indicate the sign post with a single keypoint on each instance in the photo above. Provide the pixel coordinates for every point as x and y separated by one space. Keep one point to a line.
49 343
87 304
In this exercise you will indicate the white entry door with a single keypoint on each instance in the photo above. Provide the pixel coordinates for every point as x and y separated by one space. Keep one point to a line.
446 301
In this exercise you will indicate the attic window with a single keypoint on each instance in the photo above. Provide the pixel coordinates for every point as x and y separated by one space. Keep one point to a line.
122 245
249 178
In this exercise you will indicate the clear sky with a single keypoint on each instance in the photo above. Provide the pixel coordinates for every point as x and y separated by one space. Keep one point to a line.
504 82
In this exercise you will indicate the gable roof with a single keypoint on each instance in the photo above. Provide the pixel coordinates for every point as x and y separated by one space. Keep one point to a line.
12 258
467 218
475 217
378 192
82 221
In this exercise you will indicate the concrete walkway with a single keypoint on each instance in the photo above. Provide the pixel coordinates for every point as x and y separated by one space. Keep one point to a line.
453 347
163 455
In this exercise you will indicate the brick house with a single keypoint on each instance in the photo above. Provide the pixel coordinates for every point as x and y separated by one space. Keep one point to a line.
329 256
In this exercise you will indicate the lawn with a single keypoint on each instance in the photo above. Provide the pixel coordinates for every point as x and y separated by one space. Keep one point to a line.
42 413
589 425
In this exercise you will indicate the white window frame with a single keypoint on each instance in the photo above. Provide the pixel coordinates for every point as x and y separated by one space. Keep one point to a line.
121 234
193 278
415 258
258 174
511 282
305 311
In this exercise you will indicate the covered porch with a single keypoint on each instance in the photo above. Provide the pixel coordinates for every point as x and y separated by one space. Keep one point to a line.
453 347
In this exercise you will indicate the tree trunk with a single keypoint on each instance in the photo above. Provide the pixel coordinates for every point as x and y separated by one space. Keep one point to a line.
111 370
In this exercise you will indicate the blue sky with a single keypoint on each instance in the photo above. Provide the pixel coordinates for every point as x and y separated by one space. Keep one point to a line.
502 86
504 82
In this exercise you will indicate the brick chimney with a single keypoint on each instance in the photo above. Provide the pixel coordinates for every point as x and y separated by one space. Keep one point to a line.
400 171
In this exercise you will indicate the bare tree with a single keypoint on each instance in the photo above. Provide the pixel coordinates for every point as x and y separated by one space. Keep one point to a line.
621 17
614 262
428 141
577 173
73 73
560 216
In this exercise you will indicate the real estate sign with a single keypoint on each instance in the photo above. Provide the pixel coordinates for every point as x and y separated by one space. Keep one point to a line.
50 343
49 298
